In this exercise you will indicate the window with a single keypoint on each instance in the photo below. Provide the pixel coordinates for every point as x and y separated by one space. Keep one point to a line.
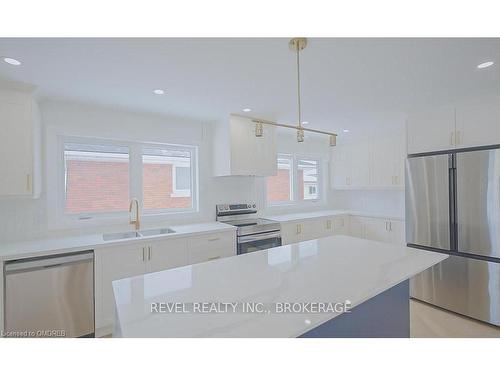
279 187
96 178
166 178
101 176
308 179
297 179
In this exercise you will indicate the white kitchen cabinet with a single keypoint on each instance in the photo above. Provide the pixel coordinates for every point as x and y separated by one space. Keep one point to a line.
377 229
374 163
165 254
19 144
350 165
238 152
127 260
388 154
113 263
478 122
290 233
213 246
341 225
431 130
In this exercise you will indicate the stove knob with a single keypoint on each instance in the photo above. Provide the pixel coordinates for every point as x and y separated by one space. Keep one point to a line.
226 207
254 206
249 206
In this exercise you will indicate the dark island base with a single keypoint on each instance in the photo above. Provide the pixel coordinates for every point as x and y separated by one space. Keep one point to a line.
386 315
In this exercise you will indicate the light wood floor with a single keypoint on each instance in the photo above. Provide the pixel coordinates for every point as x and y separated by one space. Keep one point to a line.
428 321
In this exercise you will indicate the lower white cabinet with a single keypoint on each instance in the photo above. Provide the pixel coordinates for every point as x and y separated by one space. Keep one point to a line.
127 260
310 229
377 229
211 247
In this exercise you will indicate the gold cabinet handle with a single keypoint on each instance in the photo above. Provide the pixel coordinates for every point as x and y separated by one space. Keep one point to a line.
143 254
214 239
452 138
149 252
213 258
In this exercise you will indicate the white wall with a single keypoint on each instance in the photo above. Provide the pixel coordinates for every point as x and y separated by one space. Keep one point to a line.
28 219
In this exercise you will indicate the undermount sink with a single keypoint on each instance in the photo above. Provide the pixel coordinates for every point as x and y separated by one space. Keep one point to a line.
120 236
139 234
156 232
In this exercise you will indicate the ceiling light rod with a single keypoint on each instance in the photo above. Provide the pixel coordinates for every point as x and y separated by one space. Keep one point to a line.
295 127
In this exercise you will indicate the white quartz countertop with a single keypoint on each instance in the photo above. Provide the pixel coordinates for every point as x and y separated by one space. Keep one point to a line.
329 270
323 213
49 246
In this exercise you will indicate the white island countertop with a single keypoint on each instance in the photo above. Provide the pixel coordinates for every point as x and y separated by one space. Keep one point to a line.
328 270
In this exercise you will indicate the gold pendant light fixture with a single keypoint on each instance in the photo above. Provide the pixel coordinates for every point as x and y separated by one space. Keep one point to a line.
296 45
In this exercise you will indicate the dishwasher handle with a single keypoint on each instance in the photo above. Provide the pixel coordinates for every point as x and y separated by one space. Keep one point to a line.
33 264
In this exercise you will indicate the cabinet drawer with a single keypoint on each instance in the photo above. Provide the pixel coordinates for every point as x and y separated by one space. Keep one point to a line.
212 246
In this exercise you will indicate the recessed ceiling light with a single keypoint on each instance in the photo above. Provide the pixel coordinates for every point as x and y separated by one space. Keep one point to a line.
305 122
346 130
247 110
159 92
11 61
485 64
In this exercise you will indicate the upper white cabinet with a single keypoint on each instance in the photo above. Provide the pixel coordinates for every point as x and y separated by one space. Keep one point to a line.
478 122
19 144
238 152
466 124
431 130
376 162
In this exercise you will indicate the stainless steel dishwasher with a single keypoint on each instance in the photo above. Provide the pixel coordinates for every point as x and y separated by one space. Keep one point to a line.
50 296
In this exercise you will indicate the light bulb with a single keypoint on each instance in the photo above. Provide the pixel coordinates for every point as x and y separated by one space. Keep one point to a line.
259 129
300 135
333 140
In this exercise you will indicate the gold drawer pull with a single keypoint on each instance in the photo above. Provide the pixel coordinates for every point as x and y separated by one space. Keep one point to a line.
213 258
214 239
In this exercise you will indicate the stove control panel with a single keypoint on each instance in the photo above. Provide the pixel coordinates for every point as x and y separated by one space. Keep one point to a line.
235 209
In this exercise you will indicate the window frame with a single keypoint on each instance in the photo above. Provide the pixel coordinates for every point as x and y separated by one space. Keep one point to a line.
135 152
151 212
295 188
292 182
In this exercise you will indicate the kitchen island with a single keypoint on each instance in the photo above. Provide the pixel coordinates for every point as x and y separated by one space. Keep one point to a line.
362 286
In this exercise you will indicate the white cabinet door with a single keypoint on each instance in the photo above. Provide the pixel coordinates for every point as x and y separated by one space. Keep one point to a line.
388 156
360 164
340 167
211 246
113 263
289 233
165 254
350 165
397 232
16 147
357 227
311 229
341 225
238 152
377 229
478 122
431 130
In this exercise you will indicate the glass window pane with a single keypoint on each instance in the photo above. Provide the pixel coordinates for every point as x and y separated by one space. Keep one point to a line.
96 178
166 178
307 178
279 187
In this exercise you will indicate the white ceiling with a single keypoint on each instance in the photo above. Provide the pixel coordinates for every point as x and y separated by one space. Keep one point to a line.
344 80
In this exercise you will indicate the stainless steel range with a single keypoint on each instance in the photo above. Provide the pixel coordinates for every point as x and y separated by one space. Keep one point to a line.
253 233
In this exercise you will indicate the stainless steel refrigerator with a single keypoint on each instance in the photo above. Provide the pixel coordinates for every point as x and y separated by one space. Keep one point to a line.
453 206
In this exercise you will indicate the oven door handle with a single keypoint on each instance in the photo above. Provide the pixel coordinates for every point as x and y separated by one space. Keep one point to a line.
257 237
